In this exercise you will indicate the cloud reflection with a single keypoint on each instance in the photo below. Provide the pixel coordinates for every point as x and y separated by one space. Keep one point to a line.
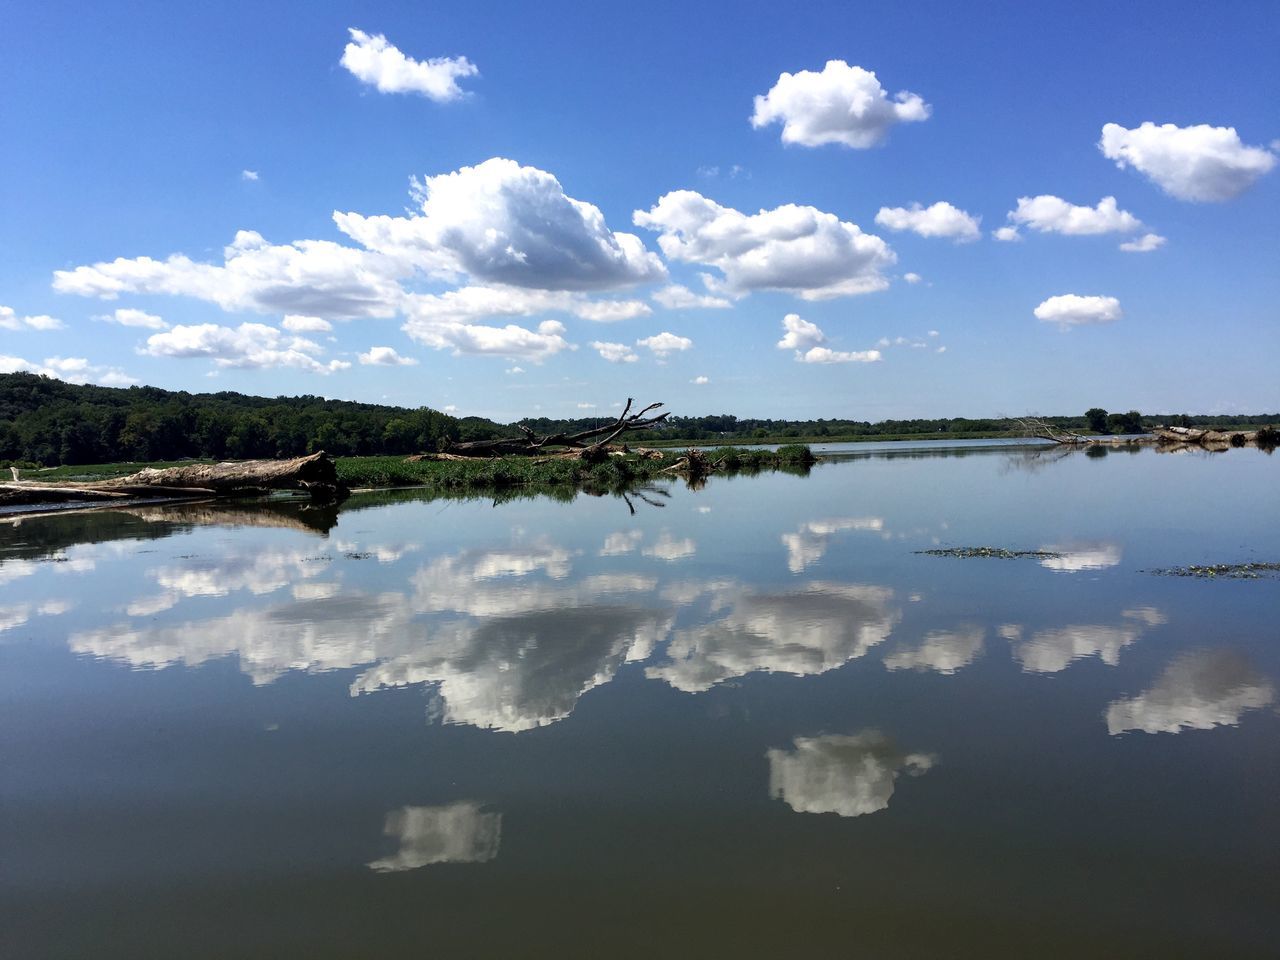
846 775
809 543
1197 691
456 833
802 632
943 651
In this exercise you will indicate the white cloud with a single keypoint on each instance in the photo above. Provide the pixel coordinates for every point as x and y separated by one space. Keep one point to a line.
312 277
1191 163
793 248
1144 244
451 408
700 381
614 352
846 775
456 833
9 320
514 370
249 175
501 223
70 369
1007 234
664 344
677 297
805 338
376 62
1070 310
295 323
800 334
840 104
809 543
1050 214
1197 691
510 341
912 277
248 346
668 548
940 220
128 317
386 357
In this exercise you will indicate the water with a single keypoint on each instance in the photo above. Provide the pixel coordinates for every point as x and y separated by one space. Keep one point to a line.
744 720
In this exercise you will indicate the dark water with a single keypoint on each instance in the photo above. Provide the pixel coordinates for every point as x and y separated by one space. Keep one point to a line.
744 721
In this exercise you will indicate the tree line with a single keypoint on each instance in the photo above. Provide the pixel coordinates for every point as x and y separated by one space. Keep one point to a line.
49 422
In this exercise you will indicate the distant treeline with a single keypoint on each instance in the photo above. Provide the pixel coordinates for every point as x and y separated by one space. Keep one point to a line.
49 422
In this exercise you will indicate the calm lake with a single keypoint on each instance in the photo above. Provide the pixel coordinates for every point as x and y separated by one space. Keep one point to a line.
744 720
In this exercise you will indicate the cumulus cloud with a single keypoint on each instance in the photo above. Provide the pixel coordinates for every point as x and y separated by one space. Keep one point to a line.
700 381
614 352
939 220
249 175
912 277
1006 234
1144 244
805 338
295 323
1071 310
664 344
1197 691
846 775
128 317
840 104
248 346
677 297
502 223
386 357
792 248
1199 162
1049 214
809 543
9 320
456 833
510 341
372 60
70 369
312 277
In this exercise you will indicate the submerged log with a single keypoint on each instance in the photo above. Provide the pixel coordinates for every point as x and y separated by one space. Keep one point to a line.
315 474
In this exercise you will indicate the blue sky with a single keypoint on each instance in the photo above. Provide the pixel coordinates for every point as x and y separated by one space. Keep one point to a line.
712 204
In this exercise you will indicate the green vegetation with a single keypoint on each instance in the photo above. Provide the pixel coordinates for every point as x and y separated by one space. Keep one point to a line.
996 553
1224 571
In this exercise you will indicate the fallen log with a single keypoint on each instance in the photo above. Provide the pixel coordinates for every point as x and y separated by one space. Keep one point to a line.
590 445
315 474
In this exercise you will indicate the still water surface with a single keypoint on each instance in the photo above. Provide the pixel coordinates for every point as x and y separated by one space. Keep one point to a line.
744 720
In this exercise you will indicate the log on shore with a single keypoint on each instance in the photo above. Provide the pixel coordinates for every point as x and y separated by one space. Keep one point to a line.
1173 439
315 474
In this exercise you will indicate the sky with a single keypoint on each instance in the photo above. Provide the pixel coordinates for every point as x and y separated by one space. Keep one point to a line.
852 210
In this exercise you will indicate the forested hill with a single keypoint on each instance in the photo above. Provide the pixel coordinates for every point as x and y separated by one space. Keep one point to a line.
49 422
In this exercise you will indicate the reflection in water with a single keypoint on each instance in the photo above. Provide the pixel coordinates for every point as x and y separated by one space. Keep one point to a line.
943 651
1049 651
847 775
809 543
1074 558
519 672
456 833
802 632
666 547
1197 691
311 635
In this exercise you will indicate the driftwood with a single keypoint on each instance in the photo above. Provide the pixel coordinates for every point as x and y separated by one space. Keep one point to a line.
1176 439
1043 430
590 445
315 474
